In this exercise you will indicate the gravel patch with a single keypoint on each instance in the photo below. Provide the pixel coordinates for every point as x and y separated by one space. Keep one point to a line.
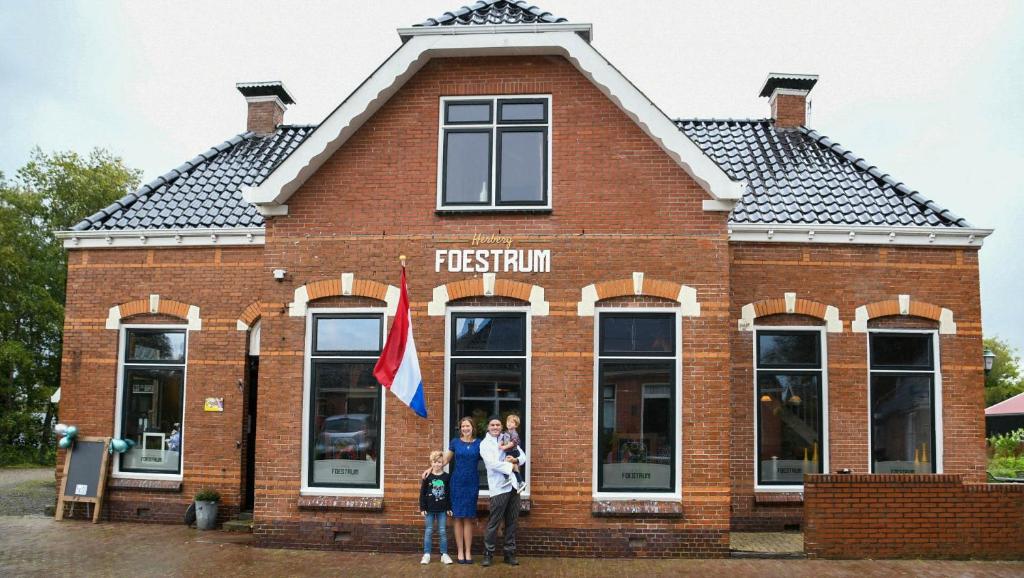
26 491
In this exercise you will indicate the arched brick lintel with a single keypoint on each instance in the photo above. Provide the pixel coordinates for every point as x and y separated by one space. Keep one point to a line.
345 286
155 305
639 286
488 285
249 316
790 304
904 305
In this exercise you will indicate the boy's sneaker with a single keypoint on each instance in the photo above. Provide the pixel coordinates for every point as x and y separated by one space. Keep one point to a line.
446 559
521 488
426 559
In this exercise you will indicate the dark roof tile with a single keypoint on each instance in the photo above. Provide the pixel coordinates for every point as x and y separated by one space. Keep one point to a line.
490 12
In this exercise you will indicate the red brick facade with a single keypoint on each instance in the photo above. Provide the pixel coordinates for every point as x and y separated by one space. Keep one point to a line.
620 205
906 516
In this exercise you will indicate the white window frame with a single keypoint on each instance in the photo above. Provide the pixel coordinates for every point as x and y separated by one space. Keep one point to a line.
493 206
937 402
825 439
676 493
307 387
483 311
119 404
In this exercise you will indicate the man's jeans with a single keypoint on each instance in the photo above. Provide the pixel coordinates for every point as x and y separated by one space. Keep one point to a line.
428 532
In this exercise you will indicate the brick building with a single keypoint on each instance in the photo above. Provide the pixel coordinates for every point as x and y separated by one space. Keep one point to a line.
688 315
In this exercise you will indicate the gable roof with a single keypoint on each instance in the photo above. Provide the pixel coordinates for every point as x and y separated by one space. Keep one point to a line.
798 176
204 192
491 12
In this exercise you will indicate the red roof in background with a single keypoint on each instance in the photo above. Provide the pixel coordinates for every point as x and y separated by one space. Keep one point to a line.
1011 406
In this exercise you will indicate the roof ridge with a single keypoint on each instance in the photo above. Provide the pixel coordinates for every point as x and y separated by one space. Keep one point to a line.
543 16
872 170
166 178
711 119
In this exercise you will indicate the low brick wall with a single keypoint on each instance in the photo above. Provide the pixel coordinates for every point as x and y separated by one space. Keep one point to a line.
911 516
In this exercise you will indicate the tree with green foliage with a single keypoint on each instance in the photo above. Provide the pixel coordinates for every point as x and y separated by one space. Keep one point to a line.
50 193
1004 381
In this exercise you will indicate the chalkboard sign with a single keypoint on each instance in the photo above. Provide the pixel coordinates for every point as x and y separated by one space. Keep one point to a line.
85 475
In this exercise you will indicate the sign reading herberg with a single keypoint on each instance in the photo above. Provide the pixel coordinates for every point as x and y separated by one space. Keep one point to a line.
505 260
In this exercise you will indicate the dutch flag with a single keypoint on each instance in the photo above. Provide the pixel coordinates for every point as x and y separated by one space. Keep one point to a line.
398 368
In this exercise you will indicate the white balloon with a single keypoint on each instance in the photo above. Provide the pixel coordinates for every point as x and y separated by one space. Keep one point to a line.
60 429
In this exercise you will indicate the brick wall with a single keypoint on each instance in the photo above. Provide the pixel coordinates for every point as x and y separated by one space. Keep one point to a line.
912 516
848 277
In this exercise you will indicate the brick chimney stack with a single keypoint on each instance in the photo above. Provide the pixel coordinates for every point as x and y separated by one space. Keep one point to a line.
267 103
788 94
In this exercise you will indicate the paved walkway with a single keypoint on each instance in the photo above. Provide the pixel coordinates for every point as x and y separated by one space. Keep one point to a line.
38 546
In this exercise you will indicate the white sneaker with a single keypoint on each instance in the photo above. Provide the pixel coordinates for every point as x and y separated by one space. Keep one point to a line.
446 559
426 559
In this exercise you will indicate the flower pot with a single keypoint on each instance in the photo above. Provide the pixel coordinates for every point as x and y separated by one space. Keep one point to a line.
206 515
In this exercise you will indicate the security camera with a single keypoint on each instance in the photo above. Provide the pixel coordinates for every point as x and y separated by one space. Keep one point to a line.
279 274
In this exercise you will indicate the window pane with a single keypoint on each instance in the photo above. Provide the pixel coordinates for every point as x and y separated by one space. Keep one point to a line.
144 345
522 111
477 112
789 349
152 410
345 424
789 427
901 351
636 445
901 424
340 334
504 381
490 334
633 335
467 167
522 166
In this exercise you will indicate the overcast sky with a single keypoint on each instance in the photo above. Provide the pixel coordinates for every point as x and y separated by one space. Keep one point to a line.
930 92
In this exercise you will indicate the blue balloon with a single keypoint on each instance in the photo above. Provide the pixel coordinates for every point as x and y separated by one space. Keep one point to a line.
131 443
118 446
64 443
71 432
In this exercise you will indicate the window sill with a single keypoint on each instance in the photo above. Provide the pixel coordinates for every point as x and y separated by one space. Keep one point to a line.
769 498
171 486
483 210
636 509
354 503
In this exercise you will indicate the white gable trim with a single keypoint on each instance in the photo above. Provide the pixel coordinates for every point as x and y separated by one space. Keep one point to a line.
858 235
341 124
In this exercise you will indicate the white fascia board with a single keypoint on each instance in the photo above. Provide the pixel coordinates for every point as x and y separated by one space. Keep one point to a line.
582 28
858 235
162 238
341 124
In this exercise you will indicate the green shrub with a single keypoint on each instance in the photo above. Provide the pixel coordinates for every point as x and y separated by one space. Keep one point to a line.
1006 467
207 495
1009 444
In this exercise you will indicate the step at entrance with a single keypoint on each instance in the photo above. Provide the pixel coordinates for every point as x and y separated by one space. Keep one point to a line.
766 544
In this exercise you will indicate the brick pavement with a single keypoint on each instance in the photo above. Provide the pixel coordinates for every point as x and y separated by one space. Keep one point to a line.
38 546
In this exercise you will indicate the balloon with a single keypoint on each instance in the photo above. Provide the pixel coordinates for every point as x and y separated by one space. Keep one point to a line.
118 446
60 429
131 443
71 432
64 443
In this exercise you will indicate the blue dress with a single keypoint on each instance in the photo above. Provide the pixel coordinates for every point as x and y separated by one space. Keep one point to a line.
465 481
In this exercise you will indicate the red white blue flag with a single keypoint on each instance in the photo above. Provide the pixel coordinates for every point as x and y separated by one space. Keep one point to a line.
398 368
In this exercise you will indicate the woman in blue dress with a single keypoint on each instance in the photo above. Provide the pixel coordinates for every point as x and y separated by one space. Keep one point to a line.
465 485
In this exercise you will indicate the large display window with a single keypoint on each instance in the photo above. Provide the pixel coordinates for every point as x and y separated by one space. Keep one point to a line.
790 406
152 400
902 401
345 401
488 354
637 408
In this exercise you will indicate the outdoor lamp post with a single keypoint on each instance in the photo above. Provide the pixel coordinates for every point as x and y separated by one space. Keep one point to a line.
989 358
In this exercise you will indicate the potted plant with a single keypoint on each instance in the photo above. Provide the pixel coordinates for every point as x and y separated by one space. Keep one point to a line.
206 508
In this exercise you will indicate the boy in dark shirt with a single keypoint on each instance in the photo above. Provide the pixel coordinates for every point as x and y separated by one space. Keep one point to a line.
435 504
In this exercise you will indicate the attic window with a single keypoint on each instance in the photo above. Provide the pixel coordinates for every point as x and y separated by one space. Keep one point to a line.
495 153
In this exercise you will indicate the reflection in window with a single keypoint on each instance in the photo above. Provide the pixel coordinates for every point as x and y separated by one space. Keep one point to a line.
636 413
902 403
346 402
153 388
790 411
488 372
